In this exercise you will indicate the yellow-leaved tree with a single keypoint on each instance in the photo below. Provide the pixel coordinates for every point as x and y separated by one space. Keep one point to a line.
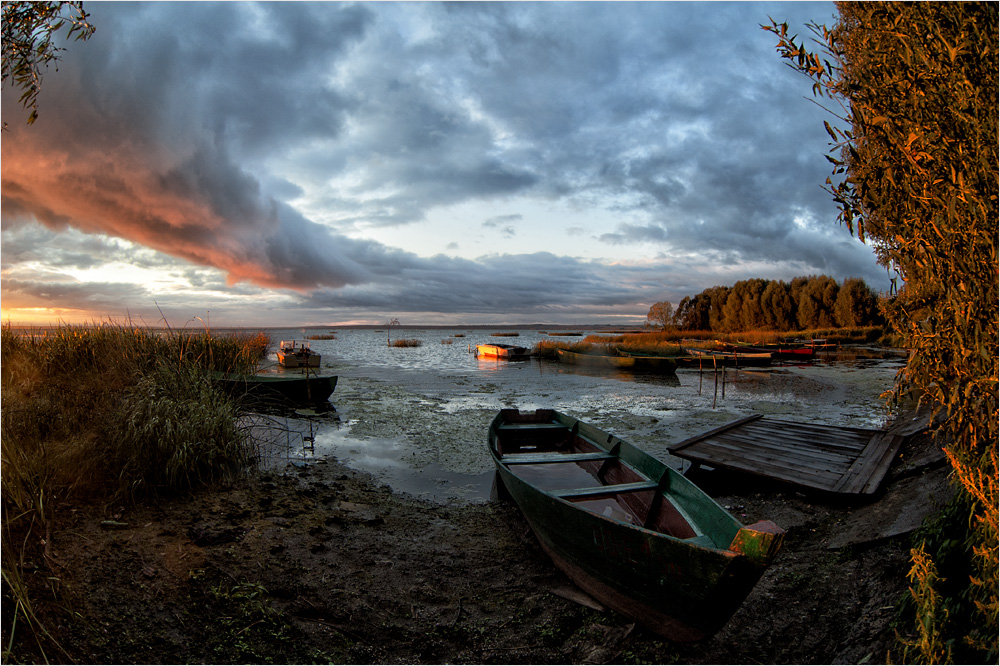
914 86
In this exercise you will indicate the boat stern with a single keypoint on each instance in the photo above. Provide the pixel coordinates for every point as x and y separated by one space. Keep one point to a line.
759 542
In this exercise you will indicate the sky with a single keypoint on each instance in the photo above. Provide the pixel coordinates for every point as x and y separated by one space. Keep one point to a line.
294 163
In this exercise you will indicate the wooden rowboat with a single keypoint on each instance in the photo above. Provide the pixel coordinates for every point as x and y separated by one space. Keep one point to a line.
296 354
627 529
777 350
628 362
294 388
734 357
508 352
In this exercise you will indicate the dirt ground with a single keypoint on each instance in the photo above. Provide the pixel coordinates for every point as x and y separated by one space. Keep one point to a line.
320 564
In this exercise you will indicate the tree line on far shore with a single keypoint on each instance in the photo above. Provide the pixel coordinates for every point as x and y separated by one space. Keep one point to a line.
758 304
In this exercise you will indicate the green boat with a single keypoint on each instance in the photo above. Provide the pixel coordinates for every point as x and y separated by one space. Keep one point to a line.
631 362
299 389
627 529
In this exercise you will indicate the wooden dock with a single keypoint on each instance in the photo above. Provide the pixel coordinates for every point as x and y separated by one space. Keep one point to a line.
847 461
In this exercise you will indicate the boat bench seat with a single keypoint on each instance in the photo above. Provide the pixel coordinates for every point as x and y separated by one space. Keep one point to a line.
533 426
553 457
702 540
606 490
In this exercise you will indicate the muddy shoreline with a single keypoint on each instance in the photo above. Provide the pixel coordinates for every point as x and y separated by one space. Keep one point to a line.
322 563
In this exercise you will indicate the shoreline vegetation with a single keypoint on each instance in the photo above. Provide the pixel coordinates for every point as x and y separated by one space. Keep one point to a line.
107 415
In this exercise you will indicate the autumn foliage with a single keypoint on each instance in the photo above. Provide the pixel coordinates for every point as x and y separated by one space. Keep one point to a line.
774 305
915 174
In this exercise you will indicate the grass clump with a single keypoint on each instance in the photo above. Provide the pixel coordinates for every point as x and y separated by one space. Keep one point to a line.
406 342
511 334
98 416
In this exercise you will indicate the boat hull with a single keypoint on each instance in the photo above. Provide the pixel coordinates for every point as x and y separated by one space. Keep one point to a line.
298 359
296 354
297 389
507 352
732 358
662 364
682 577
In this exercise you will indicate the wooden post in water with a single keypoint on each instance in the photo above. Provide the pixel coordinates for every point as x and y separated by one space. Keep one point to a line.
715 367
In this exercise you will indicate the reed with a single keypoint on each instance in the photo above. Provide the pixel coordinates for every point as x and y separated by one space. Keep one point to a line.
511 334
103 415
406 342
547 348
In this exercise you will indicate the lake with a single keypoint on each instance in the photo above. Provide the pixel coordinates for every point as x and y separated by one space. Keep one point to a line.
417 417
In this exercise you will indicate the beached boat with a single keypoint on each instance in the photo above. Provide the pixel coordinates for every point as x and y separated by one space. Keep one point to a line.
627 529
297 354
300 389
508 352
663 364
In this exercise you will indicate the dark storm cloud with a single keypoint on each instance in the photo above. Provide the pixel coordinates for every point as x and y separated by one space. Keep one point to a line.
192 128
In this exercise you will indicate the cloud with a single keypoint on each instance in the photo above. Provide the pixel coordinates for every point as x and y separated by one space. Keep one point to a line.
271 141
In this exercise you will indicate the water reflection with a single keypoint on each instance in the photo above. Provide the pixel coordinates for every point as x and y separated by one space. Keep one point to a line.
618 374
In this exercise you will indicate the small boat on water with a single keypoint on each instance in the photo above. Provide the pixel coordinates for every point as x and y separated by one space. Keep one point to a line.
734 357
663 364
627 529
689 361
297 354
783 351
300 389
508 352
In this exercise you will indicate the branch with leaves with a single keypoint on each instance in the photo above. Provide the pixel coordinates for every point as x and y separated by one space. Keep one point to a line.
28 48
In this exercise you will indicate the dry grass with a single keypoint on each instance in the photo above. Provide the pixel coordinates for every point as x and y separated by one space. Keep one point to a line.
106 414
406 342
511 334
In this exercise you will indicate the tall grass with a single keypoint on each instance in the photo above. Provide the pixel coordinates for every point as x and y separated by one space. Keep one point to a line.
671 341
103 415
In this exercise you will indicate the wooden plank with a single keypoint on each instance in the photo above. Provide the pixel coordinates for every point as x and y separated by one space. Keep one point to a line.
826 437
771 466
821 436
820 427
541 425
793 450
870 468
875 480
791 447
710 433
819 439
605 490
534 458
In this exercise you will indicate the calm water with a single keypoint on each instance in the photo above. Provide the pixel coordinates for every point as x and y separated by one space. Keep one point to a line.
417 417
